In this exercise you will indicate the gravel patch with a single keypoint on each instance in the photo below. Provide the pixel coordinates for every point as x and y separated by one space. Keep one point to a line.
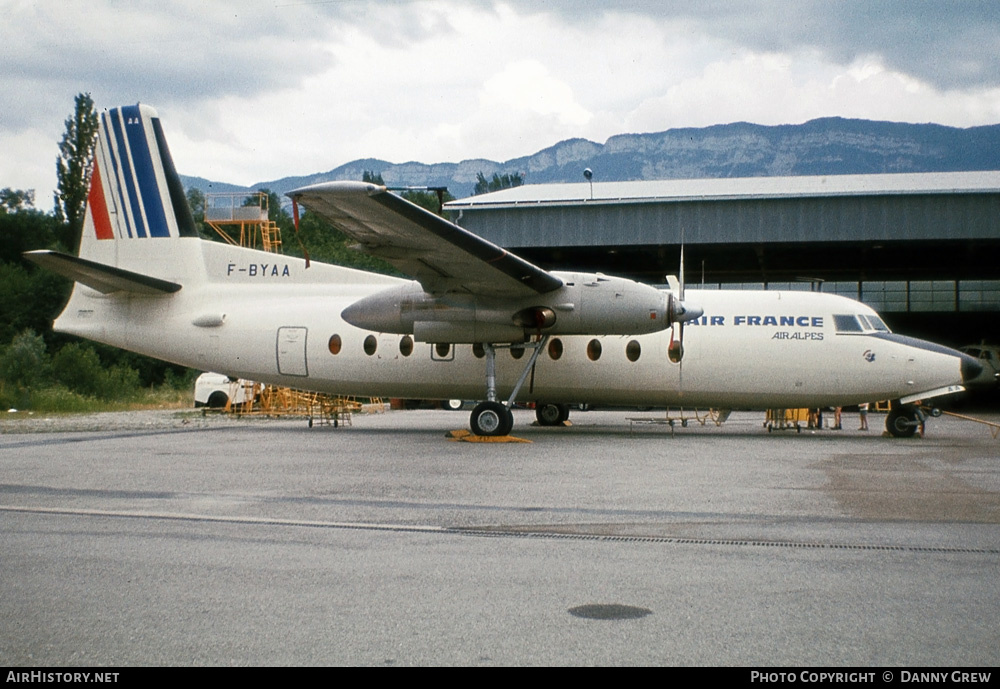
147 419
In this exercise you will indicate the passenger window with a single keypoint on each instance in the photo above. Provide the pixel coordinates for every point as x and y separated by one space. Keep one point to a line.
555 349
633 350
847 324
594 350
443 349
370 345
335 344
517 351
406 345
478 350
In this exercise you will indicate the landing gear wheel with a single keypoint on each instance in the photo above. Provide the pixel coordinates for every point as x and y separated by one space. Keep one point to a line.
491 418
551 414
451 405
902 421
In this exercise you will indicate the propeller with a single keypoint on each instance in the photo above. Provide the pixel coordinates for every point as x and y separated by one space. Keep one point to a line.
678 313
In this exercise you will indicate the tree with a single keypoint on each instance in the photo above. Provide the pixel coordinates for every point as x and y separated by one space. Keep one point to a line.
25 361
73 166
504 181
196 202
15 200
372 177
23 227
275 212
430 200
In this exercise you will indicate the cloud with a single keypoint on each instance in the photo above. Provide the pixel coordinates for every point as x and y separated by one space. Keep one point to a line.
260 89
945 44
779 88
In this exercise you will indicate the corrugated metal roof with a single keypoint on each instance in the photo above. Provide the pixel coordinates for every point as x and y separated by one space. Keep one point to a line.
675 190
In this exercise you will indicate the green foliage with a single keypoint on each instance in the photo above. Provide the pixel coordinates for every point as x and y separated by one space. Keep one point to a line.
329 245
25 362
78 367
22 228
57 398
180 379
372 177
429 200
27 375
504 181
196 203
14 200
275 212
73 166
29 299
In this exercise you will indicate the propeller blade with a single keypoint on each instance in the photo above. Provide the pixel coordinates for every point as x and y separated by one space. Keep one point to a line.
681 276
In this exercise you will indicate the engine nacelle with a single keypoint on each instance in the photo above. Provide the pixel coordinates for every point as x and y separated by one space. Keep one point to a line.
586 304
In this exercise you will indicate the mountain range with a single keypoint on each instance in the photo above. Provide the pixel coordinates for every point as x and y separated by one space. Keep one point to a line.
826 146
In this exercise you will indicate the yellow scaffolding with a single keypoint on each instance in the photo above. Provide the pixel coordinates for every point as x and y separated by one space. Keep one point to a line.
275 400
241 219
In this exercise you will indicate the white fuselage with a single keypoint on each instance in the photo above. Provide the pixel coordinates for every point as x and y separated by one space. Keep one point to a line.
268 318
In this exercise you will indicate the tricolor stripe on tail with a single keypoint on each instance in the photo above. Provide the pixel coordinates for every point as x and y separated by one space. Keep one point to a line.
135 191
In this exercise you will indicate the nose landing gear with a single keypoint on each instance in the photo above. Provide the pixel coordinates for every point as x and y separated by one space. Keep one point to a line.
904 420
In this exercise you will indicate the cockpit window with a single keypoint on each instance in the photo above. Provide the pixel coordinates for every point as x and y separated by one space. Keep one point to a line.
847 323
878 324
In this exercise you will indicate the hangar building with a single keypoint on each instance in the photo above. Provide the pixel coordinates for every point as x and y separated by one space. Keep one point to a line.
922 249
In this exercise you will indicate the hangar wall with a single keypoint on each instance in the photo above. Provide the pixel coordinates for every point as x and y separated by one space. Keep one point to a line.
923 249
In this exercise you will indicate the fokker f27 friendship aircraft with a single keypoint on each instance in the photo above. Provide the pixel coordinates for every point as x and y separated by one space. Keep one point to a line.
475 322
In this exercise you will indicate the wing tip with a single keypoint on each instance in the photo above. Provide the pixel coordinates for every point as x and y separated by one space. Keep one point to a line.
339 187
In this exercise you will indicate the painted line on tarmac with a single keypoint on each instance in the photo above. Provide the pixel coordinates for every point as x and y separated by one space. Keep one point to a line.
259 521
496 533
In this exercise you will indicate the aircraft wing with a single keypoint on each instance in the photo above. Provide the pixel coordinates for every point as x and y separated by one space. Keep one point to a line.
440 255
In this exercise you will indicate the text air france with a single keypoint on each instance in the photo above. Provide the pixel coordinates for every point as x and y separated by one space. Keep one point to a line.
750 320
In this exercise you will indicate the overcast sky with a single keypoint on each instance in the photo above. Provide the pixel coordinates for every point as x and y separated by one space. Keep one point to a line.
256 90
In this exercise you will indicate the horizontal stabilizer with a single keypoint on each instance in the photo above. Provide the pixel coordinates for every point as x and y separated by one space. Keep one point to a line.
104 279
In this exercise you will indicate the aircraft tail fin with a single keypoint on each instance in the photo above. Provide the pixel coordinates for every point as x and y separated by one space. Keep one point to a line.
135 191
139 237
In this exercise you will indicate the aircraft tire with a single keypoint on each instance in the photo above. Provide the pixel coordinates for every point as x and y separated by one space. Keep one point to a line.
491 419
902 422
452 405
551 414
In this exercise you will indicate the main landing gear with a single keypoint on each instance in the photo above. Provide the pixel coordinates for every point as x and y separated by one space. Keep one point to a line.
493 417
551 414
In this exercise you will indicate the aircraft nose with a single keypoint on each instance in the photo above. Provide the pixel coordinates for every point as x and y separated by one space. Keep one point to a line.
970 368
